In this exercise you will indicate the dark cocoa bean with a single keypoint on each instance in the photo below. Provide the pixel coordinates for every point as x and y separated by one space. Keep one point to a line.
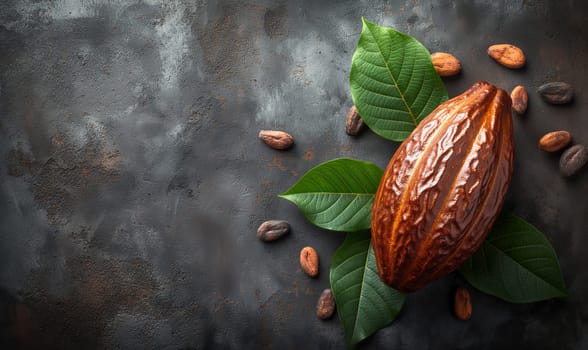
354 123
326 305
556 92
272 230
573 159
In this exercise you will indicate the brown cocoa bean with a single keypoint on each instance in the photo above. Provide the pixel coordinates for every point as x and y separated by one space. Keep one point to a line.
462 304
556 92
309 260
272 230
555 141
326 305
520 99
445 64
573 159
276 139
354 123
507 55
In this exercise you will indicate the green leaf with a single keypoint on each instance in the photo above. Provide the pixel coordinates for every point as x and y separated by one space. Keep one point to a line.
338 194
393 82
364 303
516 263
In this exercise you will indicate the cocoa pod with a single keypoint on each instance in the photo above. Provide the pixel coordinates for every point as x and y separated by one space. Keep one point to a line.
309 260
520 99
445 64
276 139
272 230
555 141
443 188
462 304
326 305
353 123
556 93
507 55
573 159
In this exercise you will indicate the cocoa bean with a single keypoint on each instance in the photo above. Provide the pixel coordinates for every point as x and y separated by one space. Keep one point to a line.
276 139
272 230
309 260
556 92
573 159
445 64
507 55
555 141
354 123
520 99
462 304
326 305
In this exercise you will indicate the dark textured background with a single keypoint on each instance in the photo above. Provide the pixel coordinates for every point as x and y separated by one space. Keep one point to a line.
132 179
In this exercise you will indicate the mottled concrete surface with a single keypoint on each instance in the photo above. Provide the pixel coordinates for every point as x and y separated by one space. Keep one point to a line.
132 180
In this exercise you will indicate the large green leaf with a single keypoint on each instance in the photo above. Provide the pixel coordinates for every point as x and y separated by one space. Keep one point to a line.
515 263
338 194
393 82
364 303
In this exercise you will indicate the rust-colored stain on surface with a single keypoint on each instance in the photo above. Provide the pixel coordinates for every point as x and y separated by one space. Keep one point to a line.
69 174
309 154
277 162
103 288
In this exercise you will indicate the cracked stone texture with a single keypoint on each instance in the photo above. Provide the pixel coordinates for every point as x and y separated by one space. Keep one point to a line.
132 180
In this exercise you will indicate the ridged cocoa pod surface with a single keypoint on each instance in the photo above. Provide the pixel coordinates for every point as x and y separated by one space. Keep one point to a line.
443 188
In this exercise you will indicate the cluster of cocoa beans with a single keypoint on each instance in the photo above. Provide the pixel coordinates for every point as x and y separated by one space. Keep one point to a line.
510 56
273 230
556 93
